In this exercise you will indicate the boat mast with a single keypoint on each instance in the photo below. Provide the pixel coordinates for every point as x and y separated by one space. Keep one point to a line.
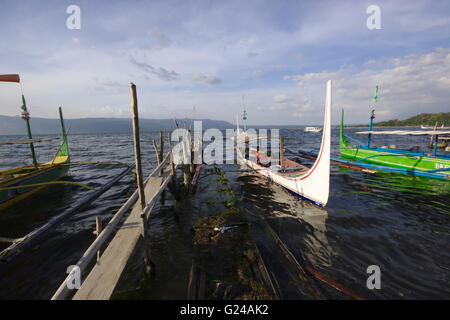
26 117
62 124
244 115
372 115
25 114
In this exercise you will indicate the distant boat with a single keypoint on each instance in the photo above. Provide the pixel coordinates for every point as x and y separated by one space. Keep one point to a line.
18 183
313 183
313 129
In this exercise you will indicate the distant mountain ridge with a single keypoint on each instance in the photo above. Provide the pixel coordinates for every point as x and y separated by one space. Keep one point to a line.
16 126
426 119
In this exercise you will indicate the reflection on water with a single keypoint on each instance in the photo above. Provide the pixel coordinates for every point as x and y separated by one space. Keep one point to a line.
397 222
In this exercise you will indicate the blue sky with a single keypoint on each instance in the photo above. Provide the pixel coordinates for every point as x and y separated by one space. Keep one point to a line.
278 54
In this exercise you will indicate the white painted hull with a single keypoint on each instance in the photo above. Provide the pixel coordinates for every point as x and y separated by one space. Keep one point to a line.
313 185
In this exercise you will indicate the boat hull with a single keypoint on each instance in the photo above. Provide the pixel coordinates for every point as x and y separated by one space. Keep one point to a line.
395 160
40 176
409 162
313 192
311 184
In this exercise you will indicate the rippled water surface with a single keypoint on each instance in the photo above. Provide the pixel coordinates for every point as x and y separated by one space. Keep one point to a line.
399 223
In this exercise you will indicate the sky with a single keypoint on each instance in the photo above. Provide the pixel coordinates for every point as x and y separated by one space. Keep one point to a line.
275 56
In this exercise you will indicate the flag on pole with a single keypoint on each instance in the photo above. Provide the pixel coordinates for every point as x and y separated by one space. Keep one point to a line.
375 98
9 78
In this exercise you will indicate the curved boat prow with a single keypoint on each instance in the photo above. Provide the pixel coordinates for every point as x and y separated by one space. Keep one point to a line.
318 177
311 184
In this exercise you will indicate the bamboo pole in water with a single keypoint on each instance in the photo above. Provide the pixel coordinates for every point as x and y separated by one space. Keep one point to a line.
281 152
98 230
186 160
172 165
158 157
191 145
137 154
161 145
137 145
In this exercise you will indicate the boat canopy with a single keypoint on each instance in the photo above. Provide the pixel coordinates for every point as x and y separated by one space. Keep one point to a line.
9 78
404 132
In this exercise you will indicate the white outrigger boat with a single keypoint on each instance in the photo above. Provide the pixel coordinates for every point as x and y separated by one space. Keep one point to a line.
313 183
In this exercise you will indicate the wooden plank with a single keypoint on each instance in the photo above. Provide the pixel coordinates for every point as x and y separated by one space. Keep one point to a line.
102 280
87 257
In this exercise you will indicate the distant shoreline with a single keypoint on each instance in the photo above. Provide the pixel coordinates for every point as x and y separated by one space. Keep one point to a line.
375 126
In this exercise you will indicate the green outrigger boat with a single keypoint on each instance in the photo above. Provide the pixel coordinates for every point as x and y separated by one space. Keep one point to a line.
18 183
431 165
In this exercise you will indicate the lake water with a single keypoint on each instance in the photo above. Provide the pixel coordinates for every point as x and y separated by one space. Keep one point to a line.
399 223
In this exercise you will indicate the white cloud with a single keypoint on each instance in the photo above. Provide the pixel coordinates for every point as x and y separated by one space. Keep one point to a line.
281 98
110 112
412 85
206 78
244 48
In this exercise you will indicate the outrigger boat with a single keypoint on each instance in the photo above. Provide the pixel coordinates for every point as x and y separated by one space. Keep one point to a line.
19 183
313 183
431 165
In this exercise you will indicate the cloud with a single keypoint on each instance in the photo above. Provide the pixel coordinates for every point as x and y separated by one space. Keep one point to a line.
408 85
110 112
161 73
268 69
161 38
281 98
233 47
109 86
206 78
